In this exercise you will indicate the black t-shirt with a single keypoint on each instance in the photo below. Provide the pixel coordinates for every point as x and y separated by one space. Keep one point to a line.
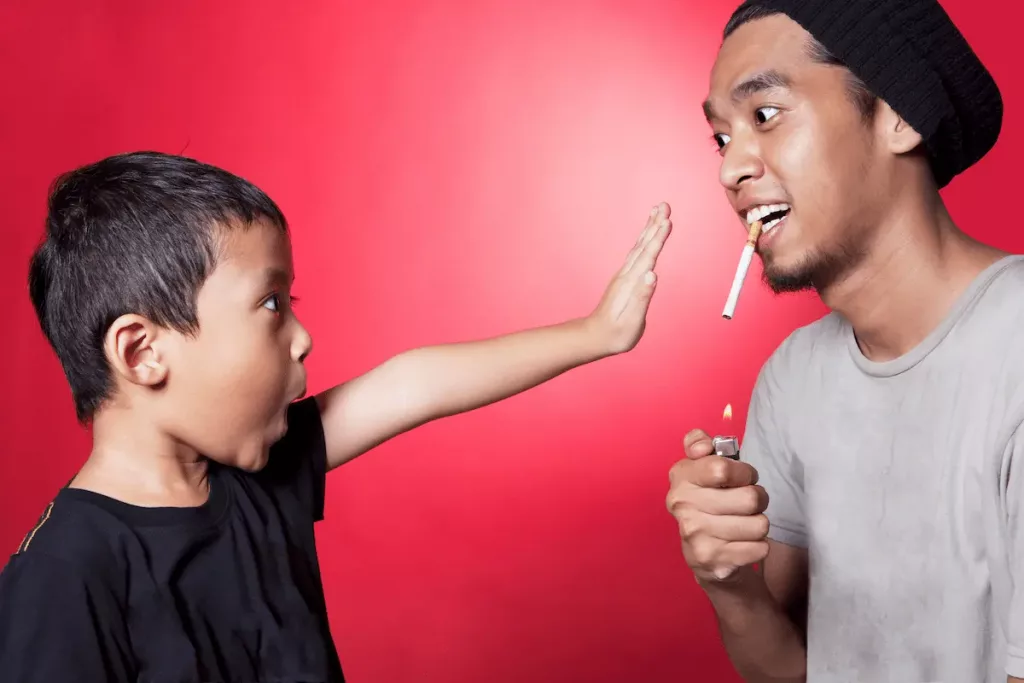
228 592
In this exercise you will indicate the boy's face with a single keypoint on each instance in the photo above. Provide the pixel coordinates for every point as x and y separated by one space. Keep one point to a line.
229 386
789 134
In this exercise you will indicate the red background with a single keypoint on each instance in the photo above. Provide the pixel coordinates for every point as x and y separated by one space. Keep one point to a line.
451 170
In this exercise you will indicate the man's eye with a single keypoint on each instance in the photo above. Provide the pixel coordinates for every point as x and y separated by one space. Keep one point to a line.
720 140
273 303
765 114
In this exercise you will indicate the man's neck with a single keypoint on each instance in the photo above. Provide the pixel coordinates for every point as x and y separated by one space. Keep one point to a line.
918 267
135 462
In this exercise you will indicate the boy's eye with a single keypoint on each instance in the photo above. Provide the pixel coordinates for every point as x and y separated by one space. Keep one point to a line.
764 114
273 303
721 140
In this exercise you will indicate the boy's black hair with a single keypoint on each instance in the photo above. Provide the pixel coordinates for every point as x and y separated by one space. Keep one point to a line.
861 96
133 233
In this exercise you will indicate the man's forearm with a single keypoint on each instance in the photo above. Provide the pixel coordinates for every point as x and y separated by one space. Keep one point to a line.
764 644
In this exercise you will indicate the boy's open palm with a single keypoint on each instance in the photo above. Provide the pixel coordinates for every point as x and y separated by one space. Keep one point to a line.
622 313
427 383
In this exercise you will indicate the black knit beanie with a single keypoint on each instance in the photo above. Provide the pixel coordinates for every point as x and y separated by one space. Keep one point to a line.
911 55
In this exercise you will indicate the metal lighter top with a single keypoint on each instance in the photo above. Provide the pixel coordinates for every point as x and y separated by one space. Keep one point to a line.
727 447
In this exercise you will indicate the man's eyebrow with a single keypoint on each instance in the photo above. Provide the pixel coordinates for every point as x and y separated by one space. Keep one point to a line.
766 80
771 79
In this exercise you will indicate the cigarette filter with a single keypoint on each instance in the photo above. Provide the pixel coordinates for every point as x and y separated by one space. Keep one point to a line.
741 270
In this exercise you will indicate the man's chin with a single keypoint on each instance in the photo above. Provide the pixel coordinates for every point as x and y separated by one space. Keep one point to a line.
783 280
788 283
815 271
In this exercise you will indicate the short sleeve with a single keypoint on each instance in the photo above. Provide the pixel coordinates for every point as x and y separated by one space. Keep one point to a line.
1010 586
779 472
298 462
55 626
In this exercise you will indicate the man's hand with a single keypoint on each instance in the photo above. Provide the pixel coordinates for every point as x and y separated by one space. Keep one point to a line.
719 507
620 318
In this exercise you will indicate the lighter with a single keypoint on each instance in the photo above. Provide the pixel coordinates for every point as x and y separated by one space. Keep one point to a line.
727 447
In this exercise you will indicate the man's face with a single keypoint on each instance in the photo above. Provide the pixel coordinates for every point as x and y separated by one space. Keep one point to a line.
796 153
229 386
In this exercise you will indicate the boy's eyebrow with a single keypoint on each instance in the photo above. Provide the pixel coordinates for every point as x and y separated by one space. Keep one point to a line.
278 276
772 79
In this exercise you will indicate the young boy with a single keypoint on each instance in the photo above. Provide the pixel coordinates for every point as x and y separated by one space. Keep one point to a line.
184 550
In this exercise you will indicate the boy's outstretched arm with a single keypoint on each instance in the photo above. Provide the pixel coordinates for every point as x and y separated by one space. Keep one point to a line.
428 383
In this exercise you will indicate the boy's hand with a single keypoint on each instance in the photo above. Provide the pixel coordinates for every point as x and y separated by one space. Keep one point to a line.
431 382
620 318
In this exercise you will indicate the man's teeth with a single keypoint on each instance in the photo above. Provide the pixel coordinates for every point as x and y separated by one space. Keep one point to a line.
771 224
759 212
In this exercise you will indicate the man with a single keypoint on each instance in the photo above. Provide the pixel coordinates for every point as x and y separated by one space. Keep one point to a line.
874 530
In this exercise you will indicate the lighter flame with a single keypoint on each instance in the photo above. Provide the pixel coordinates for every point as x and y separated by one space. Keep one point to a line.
727 413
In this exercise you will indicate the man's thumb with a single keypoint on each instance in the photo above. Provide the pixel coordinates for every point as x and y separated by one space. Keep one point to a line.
697 444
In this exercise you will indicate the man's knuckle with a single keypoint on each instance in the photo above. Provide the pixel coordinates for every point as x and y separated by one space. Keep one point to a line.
675 473
751 500
689 523
704 552
718 471
763 526
762 499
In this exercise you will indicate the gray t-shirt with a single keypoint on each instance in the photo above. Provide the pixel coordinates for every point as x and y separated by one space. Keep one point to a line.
905 481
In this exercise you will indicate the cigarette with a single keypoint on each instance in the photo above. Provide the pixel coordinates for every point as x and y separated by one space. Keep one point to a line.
741 270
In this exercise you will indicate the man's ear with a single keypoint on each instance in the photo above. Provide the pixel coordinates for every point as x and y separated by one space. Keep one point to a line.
900 136
132 347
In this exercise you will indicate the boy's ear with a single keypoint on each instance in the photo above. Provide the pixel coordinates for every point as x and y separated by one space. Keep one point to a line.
900 136
132 346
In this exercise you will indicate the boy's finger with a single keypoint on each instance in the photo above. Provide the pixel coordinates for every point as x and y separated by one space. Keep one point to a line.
641 241
647 257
